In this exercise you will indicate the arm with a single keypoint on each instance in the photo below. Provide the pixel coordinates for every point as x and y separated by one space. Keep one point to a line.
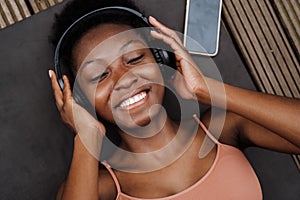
82 180
241 132
273 115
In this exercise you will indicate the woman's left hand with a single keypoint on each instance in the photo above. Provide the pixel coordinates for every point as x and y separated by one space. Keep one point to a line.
189 82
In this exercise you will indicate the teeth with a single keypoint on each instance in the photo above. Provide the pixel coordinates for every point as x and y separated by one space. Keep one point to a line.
134 99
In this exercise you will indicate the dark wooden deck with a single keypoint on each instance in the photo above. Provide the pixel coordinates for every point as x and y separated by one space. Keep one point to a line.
267 34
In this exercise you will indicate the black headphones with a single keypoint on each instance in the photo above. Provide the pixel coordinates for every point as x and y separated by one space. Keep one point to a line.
161 55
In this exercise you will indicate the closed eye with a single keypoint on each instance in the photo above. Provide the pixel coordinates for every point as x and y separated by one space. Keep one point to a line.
135 60
100 78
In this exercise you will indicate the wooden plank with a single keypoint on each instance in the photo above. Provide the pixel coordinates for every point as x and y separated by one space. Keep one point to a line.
262 45
271 46
23 8
14 10
8 18
234 23
266 49
239 24
297 160
290 64
43 4
51 2
289 14
37 5
293 11
283 57
262 29
34 6
2 19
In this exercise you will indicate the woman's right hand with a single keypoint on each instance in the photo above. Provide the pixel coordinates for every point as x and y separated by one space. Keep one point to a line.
72 114
189 81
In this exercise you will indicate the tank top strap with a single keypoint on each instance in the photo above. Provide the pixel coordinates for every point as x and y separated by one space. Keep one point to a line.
203 127
113 175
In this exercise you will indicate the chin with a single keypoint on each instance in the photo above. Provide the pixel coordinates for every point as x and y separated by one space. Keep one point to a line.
141 119
140 122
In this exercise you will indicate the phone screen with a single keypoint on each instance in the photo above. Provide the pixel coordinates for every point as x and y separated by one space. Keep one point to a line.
202 26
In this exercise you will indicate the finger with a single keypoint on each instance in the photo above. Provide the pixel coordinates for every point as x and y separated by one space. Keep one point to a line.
67 93
58 95
165 30
178 49
183 59
54 83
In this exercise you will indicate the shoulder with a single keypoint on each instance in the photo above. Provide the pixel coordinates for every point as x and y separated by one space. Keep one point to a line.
106 185
224 125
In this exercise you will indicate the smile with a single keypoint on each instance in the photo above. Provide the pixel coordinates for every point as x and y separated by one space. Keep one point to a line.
134 99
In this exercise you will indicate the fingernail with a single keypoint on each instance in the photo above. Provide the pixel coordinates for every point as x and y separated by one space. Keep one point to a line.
153 18
155 31
65 77
50 73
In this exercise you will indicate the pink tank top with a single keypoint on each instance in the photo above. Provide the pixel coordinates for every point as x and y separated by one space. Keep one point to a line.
229 178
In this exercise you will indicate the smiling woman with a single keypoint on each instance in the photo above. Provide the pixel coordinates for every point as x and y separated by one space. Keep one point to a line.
120 66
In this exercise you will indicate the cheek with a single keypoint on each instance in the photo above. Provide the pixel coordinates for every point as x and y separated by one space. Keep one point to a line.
99 98
159 92
152 73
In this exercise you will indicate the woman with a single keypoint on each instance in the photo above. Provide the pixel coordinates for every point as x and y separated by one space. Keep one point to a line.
125 91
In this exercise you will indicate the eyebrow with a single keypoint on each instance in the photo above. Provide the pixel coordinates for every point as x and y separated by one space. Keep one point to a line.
120 50
129 43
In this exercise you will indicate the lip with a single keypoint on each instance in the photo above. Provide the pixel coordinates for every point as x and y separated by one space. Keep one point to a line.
145 88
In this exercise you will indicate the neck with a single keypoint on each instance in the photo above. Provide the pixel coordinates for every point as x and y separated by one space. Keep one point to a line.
152 153
157 134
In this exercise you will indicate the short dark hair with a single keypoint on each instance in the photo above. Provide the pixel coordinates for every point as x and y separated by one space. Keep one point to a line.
72 11
75 9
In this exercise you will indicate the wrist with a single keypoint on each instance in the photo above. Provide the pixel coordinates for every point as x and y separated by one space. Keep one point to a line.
90 142
212 92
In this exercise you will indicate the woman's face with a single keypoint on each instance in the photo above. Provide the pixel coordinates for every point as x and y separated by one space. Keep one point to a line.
119 75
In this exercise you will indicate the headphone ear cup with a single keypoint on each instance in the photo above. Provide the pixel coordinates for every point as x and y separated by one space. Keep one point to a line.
80 98
168 58
165 59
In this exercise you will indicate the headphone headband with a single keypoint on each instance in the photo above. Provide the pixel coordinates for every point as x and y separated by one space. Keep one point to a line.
57 49
161 55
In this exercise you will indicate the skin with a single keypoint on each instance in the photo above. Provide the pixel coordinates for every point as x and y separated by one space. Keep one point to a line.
271 122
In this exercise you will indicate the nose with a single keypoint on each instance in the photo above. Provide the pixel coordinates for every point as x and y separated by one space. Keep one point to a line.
126 80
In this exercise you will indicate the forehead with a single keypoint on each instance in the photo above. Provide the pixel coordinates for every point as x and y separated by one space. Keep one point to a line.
105 38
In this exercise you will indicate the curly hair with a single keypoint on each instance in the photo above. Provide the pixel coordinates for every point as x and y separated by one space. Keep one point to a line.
75 9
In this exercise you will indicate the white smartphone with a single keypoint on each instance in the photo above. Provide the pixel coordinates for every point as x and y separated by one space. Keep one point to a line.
202 26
